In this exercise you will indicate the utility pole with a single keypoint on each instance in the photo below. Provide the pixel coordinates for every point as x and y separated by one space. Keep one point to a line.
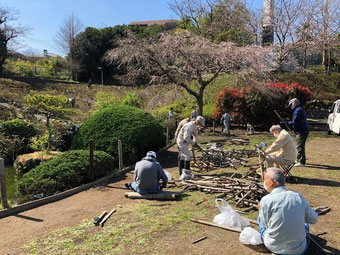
268 22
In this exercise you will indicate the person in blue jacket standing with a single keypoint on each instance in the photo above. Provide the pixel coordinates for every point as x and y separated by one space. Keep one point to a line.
301 130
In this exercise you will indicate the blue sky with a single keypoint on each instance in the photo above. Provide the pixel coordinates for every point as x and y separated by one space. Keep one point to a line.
45 16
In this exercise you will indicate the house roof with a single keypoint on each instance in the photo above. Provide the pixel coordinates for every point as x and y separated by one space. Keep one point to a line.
152 22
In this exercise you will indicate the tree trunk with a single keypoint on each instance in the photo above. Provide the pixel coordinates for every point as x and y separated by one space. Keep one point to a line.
3 51
200 103
325 33
304 61
324 56
49 133
329 61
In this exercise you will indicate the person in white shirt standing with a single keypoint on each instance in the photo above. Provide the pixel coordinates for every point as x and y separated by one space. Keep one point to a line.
226 122
284 216
171 113
186 136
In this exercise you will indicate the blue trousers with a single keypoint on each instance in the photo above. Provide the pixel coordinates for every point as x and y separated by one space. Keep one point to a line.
262 230
144 191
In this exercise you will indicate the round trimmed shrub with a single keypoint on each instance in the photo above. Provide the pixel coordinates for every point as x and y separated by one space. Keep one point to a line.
66 171
18 127
138 130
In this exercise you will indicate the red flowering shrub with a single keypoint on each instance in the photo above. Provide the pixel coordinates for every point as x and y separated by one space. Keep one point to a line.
298 91
229 98
255 105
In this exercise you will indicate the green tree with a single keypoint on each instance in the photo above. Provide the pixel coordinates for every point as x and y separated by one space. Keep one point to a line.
8 31
51 107
150 31
89 48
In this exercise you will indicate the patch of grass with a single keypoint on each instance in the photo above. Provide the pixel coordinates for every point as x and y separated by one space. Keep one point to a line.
136 225
317 135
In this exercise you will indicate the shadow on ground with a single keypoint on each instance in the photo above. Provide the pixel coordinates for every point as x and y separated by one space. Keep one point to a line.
325 167
317 182
37 83
109 183
28 218
319 246
168 159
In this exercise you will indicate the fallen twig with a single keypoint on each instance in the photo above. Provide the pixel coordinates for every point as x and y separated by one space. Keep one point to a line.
214 225
200 239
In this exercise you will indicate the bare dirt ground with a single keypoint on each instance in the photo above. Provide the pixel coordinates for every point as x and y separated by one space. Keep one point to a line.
16 231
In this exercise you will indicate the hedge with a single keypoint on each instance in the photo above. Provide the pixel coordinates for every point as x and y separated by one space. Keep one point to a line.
66 171
138 130
256 105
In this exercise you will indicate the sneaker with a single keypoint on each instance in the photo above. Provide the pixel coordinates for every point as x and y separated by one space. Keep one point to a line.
298 164
128 185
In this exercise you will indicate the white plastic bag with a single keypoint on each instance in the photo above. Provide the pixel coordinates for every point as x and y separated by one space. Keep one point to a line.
250 236
214 147
186 175
229 217
168 174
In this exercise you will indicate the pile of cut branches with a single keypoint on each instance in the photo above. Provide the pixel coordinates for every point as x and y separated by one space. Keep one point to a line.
238 141
214 158
246 193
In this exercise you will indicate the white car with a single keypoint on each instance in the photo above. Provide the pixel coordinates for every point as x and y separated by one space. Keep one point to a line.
334 118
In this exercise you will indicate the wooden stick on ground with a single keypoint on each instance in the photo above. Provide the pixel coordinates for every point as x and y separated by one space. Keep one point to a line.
164 195
200 239
106 217
214 225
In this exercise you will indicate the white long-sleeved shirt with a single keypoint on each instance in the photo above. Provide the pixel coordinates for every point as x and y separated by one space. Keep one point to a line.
181 124
283 146
188 134
283 214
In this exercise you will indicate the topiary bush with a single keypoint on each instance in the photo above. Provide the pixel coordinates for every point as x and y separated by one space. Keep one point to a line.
15 135
138 130
66 171
18 127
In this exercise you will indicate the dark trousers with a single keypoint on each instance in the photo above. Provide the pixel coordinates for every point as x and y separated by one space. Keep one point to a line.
300 147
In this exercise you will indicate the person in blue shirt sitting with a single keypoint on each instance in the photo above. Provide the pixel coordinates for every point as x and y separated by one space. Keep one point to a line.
301 130
284 216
